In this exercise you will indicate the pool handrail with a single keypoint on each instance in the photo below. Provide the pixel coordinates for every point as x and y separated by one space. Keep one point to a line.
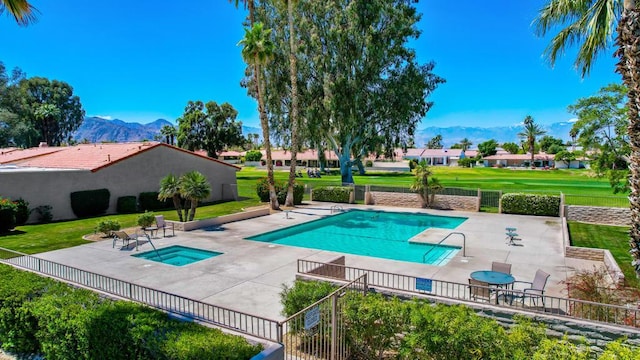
464 244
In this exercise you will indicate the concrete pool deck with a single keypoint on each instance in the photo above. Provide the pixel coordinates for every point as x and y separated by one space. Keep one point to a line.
249 275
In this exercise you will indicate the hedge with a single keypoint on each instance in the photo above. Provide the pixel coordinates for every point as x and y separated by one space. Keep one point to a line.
90 202
338 194
149 201
45 317
531 204
127 205
262 190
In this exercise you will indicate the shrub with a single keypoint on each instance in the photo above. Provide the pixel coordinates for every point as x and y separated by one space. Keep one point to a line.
90 202
45 214
531 204
302 294
262 190
253 155
127 205
368 163
107 226
338 194
412 164
7 214
22 211
197 342
146 219
466 162
149 201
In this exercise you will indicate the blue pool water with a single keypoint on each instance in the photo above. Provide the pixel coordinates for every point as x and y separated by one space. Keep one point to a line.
177 255
370 233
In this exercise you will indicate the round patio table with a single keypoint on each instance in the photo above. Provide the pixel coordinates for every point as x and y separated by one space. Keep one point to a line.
493 277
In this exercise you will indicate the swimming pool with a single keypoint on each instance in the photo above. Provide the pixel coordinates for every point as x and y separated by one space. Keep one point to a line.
177 255
370 233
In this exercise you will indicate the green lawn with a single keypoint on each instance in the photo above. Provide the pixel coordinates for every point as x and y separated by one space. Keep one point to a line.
614 238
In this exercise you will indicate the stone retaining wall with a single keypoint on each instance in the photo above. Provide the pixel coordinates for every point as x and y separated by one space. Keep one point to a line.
598 255
599 215
198 224
412 200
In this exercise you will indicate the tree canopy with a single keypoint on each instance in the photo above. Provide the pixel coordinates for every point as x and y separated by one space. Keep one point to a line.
435 142
488 148
209 127
360 85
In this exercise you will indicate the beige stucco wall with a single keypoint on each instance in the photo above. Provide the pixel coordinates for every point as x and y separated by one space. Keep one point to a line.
454 202
131 176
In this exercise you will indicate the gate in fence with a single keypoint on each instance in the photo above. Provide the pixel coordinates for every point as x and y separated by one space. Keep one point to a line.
318 331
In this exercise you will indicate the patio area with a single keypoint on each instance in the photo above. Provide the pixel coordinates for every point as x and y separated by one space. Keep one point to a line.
249 275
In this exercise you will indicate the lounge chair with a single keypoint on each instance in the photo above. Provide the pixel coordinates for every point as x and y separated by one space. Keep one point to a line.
534 290
161 224
124 237
479 289
501 267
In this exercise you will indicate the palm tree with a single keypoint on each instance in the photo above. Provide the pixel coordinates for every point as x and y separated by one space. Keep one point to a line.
194 187
465 144
169 132
574 134
421 182
293 118
258 50
170 188
529 134
591 24
23 12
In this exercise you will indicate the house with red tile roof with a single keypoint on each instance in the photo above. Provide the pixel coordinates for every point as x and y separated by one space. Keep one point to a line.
519 160
48 175
446 157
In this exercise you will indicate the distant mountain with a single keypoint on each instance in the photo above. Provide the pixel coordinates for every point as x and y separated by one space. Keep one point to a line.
453 134
96 129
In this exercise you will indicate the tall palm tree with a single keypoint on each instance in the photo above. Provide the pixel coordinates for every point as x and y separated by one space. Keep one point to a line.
529 134
170 188
591 23
257 51
23 12
293 118
465 144
194 187
574 134
169 132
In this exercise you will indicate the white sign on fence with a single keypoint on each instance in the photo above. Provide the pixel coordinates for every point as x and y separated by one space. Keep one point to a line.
312 317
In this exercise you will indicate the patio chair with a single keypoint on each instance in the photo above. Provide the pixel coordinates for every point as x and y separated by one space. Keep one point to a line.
479 289
501 267
535 290
124 237
161 224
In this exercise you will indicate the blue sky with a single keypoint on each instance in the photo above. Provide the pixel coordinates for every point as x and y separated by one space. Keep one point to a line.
143 60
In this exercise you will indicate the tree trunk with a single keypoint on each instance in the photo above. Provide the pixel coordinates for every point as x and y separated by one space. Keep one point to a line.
293 116
345 168
273 198
178 206
192 213
629 53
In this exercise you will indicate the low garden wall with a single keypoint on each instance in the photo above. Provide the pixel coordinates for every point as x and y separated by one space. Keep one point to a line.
599 215
412 200
598 255
198 224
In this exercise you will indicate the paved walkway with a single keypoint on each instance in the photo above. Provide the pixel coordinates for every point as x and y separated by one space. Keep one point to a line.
249 276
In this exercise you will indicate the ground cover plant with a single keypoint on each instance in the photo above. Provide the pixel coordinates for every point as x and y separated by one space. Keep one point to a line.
42 316
613 238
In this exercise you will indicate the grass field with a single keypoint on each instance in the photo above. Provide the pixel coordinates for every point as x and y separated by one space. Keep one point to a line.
614 238
580 183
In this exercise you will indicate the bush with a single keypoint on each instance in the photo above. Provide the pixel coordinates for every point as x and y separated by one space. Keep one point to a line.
338 194
90 202
262 190
466 162
531 204
7 214
253 155
127 205
107 226
146 219
149 202
45 317
412 164
22 211
45 214
302 294
368 163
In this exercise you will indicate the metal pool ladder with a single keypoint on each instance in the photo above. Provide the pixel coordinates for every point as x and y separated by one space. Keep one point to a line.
464 244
